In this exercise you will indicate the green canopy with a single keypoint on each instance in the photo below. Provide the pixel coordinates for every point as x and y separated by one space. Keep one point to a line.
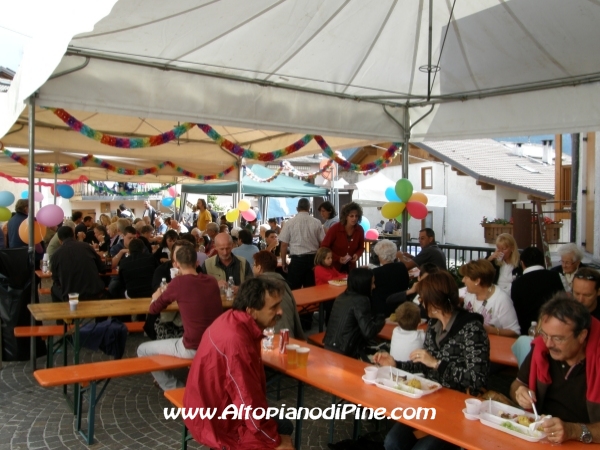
282 186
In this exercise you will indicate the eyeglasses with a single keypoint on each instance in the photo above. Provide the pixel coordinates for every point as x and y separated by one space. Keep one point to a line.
555 339
567 263
585 277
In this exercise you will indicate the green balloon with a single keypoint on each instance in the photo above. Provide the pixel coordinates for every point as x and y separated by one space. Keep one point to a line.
4 214
404 189
399 218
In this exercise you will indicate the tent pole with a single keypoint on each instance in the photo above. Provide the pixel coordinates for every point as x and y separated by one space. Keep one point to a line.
30 216
55 187
239 189
405 143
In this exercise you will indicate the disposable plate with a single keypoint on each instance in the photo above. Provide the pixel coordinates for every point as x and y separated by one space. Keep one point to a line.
489 416
394 380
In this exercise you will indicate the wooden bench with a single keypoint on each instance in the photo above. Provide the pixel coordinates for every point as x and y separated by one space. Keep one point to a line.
317 339
51 331
175 396
88 375
44 291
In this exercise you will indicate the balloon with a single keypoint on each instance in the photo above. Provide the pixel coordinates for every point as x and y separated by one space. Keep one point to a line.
172 191
243 205
38 234
38 196
177 202
232 215
6 198
404 189
65 190
419 197
5 215
25 194
167 201
365 224
399 218
372 235
417 210
50 215
390 194
392 209
249 214
54 191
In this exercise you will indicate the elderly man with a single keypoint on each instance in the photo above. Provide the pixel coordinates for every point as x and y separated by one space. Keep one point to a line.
303 235
228 370
560 374
21 213
204 217
160 226
212 229
54 243
570 261
75 267
149 211
430 252
586 289
199 303
225 264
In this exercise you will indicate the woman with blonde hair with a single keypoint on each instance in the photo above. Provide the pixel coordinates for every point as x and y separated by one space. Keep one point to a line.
506 261
104 220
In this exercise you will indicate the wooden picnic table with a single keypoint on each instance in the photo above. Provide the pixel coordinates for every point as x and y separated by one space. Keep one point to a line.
341 376
500 346
48 275
316 295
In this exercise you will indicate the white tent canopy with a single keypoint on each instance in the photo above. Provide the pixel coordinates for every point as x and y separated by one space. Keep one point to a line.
327 67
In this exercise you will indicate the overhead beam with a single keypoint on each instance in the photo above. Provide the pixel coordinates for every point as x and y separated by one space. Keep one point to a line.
485 186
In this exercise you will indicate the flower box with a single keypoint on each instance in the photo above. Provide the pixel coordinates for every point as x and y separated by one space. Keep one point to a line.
492 230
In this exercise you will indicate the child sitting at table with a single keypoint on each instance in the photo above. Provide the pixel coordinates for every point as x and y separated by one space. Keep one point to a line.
324 271
406 337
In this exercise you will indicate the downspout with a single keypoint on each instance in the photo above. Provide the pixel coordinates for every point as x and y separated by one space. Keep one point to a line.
575 190
30 222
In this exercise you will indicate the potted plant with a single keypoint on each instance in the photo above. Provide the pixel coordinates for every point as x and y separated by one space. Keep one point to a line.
495 227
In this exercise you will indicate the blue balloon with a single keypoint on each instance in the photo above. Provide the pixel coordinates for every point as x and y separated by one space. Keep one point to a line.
168 201
6 198
365 224
390 194
25 194
65 190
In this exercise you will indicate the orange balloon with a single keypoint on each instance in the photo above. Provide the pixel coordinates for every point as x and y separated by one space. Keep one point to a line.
418 197
38 234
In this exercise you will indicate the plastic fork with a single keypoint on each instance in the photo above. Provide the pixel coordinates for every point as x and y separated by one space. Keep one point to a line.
537 417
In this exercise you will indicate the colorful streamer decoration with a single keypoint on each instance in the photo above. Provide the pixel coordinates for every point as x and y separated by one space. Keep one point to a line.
371 167
103 189
81 179
55 168
121 142
286 167
249 154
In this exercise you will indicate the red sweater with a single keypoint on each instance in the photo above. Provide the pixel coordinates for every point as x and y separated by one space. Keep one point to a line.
324 274
199 300
337 240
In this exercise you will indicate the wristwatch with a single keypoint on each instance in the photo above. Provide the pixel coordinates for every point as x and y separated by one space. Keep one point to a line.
586 436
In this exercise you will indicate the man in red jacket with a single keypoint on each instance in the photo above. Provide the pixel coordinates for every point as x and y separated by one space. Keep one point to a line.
227 374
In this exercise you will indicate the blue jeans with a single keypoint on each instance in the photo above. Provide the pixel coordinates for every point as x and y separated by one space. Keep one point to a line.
401 437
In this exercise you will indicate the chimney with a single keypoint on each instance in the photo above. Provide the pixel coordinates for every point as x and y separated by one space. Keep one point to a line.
546 151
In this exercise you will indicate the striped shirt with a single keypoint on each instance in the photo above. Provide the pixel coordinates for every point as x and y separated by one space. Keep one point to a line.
303 234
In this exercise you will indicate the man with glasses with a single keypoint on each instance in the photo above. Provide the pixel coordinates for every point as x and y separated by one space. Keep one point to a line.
560 374
586 289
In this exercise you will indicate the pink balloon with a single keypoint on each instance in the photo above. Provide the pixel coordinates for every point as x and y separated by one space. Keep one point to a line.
417 209
372 235
249 215
38 196
172 191
50 215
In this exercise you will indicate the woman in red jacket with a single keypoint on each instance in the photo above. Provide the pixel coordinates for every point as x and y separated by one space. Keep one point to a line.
346 238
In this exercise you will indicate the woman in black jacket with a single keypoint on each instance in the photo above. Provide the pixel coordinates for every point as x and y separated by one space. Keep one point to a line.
352 324
455 353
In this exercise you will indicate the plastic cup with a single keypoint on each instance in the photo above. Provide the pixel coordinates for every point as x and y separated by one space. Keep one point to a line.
473 406
302 356
291 353
500 257
73 296
73 305
371 373
174 272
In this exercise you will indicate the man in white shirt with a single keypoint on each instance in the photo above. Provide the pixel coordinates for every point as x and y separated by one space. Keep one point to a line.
303 235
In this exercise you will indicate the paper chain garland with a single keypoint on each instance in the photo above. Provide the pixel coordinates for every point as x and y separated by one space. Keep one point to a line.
120 170
285 166
81 179
374 166
103 188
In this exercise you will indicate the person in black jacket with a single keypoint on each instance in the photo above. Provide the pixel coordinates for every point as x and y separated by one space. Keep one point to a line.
390 278
352 324
530 291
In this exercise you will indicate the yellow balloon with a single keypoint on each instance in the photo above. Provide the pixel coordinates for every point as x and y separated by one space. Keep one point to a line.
419 197
177 202
243 205
392 209
232 215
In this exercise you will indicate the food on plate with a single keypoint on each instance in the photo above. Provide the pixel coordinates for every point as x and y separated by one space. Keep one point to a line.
510 426
393 317
525 420
504 415
414 383
338 282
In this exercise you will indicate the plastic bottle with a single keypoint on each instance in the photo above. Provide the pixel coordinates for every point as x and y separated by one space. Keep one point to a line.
532 329
163 285
230 289
108 261
45 268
